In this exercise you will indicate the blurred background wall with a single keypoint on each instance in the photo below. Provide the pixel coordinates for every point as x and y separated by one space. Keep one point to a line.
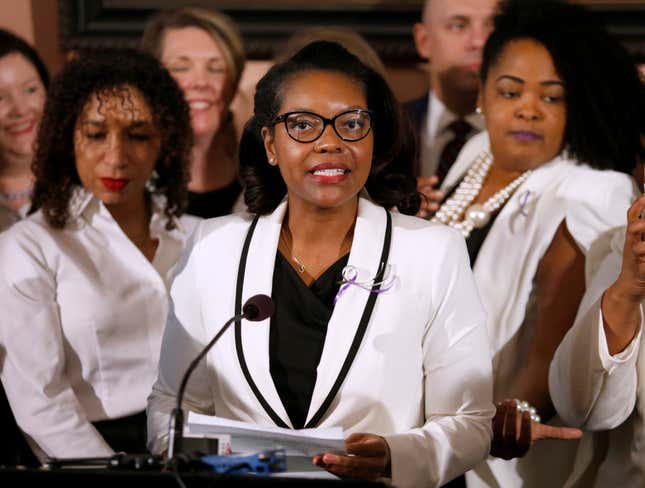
39 21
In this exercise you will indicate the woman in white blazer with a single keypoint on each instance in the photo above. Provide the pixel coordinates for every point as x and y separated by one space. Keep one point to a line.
537 195
396 355
85 279
597 375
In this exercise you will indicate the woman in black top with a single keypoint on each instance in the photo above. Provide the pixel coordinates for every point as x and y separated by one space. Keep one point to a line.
203 51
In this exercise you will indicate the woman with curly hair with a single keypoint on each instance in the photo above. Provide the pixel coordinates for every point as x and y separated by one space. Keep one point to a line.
84 283
397 355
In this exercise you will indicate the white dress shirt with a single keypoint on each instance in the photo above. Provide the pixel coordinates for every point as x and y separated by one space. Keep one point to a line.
82 317
421 376
594 390
436 133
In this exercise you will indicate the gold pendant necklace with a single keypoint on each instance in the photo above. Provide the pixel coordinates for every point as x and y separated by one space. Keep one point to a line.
301 267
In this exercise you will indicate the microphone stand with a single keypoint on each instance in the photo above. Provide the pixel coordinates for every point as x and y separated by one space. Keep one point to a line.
176 428
256 308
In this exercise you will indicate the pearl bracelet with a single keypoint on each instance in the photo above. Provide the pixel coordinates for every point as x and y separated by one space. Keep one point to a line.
524 406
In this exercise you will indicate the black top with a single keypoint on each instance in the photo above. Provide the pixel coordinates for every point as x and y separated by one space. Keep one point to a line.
214 203
477 237
297 333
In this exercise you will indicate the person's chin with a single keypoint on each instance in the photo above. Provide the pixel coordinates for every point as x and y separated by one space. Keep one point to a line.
25 151
22 146
461 78
205 128
333 199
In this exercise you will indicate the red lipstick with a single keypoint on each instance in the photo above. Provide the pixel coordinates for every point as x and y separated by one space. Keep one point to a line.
115 184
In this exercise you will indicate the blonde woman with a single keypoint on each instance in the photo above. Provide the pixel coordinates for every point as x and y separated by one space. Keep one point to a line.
203 51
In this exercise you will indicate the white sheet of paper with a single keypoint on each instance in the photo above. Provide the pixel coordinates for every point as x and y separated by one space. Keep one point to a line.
247 437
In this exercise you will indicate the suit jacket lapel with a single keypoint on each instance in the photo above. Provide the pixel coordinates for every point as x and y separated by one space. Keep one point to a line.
364 256
259 279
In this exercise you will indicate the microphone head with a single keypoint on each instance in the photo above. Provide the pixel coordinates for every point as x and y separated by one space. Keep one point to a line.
257 308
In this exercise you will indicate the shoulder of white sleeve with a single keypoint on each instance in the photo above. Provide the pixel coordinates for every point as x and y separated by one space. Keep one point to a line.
189 223
479 142
24 246
596 203
215 229
424 232
214 235
30 232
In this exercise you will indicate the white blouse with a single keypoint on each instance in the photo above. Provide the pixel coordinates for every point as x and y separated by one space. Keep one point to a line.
596 391
82 317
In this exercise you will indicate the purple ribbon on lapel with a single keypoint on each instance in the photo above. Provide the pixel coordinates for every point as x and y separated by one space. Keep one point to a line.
524 198
350 278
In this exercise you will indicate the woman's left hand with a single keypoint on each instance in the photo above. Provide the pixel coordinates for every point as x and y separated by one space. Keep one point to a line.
514 432
368 457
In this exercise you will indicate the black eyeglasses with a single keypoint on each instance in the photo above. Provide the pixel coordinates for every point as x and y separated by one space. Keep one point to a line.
351 125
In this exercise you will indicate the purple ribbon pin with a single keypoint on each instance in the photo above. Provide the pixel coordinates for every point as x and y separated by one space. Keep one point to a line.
524 198
350 278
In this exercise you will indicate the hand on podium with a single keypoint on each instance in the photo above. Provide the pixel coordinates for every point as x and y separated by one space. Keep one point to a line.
368 458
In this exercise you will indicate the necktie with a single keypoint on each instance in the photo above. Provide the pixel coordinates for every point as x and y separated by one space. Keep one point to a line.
460 128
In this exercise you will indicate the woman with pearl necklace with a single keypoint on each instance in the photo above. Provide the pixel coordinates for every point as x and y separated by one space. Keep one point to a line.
535 196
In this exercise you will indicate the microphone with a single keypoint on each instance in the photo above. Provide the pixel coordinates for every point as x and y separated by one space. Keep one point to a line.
256 309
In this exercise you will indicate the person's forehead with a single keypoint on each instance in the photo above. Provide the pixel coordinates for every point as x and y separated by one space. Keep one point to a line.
122 102
191 40
475 9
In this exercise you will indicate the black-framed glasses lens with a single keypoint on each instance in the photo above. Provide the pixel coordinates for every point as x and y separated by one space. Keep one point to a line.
349 126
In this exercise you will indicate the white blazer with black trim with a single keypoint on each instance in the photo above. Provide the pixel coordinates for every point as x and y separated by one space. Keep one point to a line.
422 374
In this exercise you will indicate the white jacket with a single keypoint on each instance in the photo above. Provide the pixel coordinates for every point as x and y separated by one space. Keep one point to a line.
592 204
422 373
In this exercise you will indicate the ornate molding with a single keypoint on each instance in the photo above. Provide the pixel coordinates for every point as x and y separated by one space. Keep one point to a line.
385 23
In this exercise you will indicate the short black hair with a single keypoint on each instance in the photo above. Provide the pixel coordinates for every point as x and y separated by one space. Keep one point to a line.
264 186
105 72
604 92
11 43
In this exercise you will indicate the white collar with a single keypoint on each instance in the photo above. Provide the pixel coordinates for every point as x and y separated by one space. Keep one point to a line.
83 205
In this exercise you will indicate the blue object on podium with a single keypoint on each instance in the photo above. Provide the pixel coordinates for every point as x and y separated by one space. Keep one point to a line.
263 463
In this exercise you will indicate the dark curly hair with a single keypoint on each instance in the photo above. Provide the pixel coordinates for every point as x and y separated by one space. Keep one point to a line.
11 43
604 92
107 72
264 186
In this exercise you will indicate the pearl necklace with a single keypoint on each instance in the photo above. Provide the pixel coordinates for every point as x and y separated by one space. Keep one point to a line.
457 211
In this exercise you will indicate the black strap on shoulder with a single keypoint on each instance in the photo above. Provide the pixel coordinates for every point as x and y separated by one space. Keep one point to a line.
238 327
358 337
362 326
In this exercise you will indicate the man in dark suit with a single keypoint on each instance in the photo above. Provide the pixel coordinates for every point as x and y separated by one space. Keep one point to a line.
451 36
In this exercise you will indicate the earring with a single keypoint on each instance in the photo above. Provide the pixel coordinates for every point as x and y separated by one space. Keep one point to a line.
151 184
479 110
272 161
